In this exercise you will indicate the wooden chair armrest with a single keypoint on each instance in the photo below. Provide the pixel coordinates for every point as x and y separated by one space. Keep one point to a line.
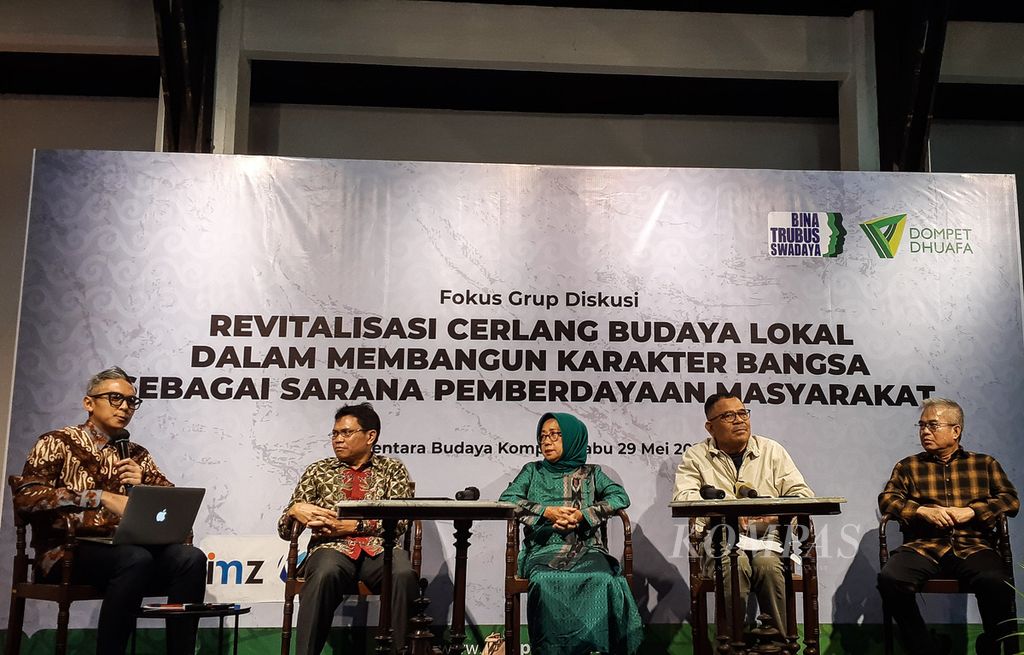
1002 530
627 544
511 549
883 539
70 545
295 528
627 547
697 535
416 552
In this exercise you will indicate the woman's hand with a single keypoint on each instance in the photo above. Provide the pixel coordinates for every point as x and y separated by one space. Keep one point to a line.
564 519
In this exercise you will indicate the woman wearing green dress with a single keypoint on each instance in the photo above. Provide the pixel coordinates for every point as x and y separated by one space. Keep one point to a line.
577 602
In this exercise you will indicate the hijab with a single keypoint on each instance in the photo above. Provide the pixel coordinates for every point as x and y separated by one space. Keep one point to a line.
574 443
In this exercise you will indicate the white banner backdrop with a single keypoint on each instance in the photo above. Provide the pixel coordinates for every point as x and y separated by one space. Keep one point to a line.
254 295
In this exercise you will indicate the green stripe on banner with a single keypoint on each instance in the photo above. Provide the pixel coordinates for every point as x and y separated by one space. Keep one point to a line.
839 639
874 237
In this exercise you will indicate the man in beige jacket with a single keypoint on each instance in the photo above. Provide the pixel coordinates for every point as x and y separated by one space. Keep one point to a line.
732 459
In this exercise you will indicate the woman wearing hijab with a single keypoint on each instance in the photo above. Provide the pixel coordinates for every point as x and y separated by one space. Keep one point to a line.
577 602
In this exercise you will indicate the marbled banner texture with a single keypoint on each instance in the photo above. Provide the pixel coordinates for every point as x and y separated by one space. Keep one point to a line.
252 296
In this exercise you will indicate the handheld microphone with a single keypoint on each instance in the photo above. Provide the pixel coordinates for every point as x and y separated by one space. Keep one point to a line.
711 492
469 493
746 491
120 439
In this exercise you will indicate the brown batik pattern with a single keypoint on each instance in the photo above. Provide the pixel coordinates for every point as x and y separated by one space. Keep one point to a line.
328 481
67 471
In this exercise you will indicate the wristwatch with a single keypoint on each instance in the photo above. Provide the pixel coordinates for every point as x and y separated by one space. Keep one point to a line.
360 526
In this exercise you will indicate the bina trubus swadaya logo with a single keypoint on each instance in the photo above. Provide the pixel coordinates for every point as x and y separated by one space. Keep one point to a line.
805 234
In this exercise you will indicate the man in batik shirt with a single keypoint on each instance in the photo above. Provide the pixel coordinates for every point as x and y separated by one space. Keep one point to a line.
345 552
948 500
76 470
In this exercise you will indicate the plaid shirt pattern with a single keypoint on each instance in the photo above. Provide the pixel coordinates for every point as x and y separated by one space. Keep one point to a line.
968 479
328 481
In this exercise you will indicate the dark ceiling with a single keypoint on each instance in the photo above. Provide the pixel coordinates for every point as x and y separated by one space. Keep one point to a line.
528 91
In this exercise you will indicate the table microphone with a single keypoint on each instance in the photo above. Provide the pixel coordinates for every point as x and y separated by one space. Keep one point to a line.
711 492
469 493
120 438
745 491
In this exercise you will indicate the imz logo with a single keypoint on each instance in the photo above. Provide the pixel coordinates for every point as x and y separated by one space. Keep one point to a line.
233 571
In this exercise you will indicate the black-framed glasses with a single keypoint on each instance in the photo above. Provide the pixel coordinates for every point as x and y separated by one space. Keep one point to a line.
117 399
344 434
730 417
552 436
934 425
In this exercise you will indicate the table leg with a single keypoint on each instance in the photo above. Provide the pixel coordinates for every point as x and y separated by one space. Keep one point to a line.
715 527
737 645
458 632
786 535
384 636
809 563
220 636
235 649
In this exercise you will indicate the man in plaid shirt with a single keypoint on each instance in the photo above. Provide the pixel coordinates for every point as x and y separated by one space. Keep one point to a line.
947 499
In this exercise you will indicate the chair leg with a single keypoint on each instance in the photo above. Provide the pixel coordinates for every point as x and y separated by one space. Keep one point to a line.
886 630
512 628
286 625
63 618
14 625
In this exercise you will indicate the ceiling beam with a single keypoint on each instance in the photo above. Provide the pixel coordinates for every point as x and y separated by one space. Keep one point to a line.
909 42
186 38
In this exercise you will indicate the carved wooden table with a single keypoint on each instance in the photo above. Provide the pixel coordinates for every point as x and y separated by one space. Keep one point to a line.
727 513
461 512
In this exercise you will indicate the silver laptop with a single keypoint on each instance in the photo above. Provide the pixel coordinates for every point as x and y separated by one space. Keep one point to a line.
156 516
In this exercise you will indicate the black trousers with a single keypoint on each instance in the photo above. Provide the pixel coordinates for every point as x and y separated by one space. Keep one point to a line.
330 576
983 572
126 574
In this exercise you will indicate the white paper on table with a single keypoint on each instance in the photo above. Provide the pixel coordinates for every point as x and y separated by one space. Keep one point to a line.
748 543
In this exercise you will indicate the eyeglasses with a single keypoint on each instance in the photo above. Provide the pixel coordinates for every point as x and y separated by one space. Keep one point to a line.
117 399
933 425
730 417
550 437
344 434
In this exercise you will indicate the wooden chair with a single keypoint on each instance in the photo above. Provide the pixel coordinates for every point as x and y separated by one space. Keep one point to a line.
514 585
22 587
701 586
413 544
1000 539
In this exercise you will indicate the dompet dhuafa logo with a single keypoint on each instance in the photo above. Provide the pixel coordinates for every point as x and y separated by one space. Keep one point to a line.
885 234
805 234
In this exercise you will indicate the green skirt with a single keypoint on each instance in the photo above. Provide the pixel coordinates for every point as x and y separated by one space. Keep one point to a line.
584 609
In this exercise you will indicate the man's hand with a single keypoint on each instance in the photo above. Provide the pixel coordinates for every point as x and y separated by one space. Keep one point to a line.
756 525
938 516
564 518
326 528
114 503
128 471
306 513
960 514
